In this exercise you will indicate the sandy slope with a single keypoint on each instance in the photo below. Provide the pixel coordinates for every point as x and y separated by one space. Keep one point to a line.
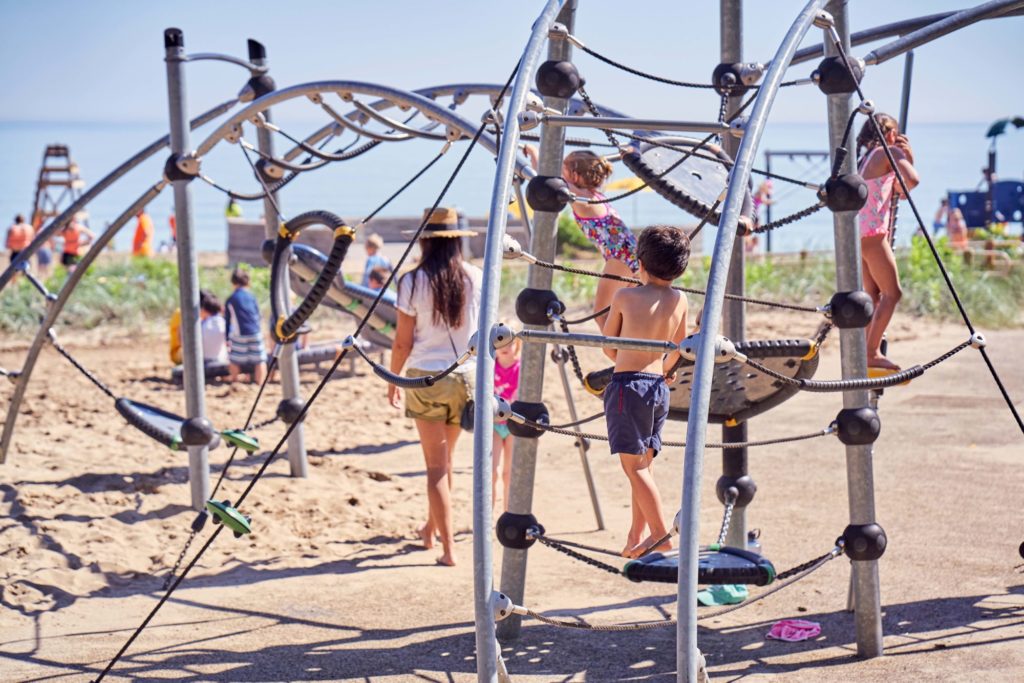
330 585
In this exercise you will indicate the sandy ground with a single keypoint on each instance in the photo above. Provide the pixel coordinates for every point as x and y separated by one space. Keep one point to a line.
330 585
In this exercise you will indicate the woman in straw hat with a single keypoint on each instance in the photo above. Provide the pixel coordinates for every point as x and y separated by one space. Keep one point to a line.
438 304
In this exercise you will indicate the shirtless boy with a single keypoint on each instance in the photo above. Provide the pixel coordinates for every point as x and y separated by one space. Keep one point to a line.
636 400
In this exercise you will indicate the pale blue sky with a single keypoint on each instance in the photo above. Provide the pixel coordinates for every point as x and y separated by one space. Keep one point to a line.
67 60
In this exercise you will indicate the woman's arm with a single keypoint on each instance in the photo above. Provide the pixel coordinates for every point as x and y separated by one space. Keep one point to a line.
400 350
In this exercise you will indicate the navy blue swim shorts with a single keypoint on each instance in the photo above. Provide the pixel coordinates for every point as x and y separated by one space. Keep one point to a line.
635 405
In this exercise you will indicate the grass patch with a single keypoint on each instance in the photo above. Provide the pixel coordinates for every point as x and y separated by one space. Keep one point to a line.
141 294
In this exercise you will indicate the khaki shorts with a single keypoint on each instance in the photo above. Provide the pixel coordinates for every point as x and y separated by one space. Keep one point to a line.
442 402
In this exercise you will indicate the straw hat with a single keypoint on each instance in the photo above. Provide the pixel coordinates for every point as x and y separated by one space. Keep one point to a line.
443 222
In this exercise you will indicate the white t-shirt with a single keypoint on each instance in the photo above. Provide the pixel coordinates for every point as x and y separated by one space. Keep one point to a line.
432 342
214 339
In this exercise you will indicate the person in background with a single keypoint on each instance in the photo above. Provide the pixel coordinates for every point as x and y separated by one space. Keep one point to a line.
762 198
941 219
374 259
881 276
213 328
956 229
506 385
245 331
75 237
233 209
142 244
438 304
19 236
44 256
377 278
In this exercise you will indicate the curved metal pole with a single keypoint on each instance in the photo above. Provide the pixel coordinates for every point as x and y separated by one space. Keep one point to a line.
897 28
483 561
397 125
57 305
57 223
955 22
399 97
696 427
359 130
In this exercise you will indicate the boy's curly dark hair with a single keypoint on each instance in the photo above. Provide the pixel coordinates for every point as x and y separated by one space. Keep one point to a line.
664 251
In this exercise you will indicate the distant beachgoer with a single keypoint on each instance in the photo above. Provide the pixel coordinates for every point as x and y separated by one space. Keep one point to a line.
75 237
956 228
374 259
881 276
214 330
941 216
19 236
438 303
174 330
245 331
762 198
377 278
233 209
142 244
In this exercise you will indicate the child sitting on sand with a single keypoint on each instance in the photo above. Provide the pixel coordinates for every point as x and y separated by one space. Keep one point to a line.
636 399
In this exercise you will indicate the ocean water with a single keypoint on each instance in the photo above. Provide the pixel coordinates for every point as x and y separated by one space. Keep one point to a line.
949 156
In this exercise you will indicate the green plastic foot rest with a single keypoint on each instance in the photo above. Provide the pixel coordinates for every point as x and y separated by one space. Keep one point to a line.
224 514
239 439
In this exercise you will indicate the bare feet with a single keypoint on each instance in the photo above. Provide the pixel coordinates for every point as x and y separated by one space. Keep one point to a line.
631 542
641 548
426 535
882 362
446 560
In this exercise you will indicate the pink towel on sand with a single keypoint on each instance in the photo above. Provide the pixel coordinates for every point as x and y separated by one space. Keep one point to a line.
794 630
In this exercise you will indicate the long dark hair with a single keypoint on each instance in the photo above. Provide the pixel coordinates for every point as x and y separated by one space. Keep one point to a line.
442 264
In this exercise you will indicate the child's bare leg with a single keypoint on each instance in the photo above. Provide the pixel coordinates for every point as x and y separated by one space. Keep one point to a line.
648 499
606 288
880 262
497 449
506 473
259 372
636 527
233 371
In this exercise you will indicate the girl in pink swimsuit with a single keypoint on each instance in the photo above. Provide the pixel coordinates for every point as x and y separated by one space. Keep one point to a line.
881 277
586 172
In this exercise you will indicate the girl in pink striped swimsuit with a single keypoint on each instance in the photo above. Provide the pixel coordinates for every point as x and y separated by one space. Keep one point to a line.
586 172
881 277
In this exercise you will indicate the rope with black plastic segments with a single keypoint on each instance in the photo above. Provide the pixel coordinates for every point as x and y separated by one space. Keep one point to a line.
200 521
570 351
831 429
841 50
868 383
668 81
316 392
52 336
689 290
781 581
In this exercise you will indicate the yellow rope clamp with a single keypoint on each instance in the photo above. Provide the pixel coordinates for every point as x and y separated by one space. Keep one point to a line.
280 333
285 233
731 422
344 230
812 353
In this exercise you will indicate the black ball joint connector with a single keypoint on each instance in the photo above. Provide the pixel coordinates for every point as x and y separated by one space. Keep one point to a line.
863 542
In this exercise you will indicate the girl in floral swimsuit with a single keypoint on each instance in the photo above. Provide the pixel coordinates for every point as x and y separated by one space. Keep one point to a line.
881 278
586 172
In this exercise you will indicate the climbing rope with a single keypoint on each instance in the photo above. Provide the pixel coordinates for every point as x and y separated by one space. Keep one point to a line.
81 368
316 392
831 429
841 51
730 505
570 351
867 383
792 218
689 290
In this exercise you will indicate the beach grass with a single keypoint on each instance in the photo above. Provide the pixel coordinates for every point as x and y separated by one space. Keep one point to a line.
141 294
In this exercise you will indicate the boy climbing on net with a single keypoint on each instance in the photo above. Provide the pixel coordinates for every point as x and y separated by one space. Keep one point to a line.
636 399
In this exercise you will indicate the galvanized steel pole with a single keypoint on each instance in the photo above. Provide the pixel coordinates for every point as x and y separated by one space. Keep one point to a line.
543 244
853 348
689 536
188 270
287 362
483 561
734 460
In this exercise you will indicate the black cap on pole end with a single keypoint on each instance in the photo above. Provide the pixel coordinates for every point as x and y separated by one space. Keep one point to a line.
173 37
256 50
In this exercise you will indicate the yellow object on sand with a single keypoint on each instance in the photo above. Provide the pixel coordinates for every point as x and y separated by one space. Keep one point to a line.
175 329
